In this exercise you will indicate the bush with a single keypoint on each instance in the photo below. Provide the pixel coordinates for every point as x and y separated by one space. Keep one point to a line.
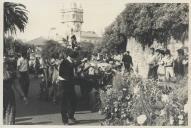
132 99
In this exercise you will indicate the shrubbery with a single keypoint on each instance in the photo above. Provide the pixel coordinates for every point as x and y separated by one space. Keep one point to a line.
136 101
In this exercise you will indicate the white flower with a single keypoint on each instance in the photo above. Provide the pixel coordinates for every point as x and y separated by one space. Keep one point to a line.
165 98
127 121
180 122
100 112
120 97
180 117
141 119
162 112
186 108
127 97
123 115
109 86
115 103
171 120
109 91
124 89
136 89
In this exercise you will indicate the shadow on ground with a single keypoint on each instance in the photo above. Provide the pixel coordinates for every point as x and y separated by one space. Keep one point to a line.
81 122
40 107
37 123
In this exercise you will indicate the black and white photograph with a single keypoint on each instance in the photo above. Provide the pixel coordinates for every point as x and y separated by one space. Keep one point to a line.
95 63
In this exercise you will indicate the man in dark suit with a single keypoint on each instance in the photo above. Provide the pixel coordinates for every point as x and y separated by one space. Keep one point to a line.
67 82
127 60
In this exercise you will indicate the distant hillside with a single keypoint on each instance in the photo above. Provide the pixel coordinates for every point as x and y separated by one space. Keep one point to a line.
38 41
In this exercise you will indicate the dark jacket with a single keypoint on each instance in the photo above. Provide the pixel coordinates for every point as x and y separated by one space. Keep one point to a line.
127 59
67 68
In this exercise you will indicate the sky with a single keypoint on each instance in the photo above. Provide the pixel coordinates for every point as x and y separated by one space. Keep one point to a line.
45 14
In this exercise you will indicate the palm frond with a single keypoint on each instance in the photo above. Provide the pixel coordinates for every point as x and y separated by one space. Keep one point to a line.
15 17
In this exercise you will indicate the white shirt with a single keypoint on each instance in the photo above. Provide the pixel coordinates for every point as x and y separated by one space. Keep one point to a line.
168 61
91 71
22 64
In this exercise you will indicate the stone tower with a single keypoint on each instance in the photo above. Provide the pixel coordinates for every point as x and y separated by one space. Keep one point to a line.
72 19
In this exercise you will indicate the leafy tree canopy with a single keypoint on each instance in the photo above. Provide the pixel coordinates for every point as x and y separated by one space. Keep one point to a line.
55 49
52 49
86 49
18 46
147 22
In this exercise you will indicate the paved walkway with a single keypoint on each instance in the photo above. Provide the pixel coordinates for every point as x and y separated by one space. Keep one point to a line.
39 112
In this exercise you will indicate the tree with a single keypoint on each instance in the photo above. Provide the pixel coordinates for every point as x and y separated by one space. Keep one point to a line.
85 50
52 49
114 39
147 22
15 17
16 45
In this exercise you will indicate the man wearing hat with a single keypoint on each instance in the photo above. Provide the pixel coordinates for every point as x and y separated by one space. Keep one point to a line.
67 82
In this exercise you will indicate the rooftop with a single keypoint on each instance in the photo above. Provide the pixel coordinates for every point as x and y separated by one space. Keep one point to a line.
89 34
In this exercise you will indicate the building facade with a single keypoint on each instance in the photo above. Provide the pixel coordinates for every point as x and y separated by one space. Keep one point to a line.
90 36
72 20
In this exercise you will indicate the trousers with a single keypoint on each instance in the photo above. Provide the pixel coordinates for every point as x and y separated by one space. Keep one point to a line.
169 72
68 100
24 82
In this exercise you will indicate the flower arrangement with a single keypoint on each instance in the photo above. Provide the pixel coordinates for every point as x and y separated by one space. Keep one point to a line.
132 100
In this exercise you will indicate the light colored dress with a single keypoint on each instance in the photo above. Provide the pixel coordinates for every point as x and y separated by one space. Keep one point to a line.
161 70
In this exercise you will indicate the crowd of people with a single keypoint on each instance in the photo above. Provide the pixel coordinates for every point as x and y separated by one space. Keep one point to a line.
59 76
63 74
163 66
